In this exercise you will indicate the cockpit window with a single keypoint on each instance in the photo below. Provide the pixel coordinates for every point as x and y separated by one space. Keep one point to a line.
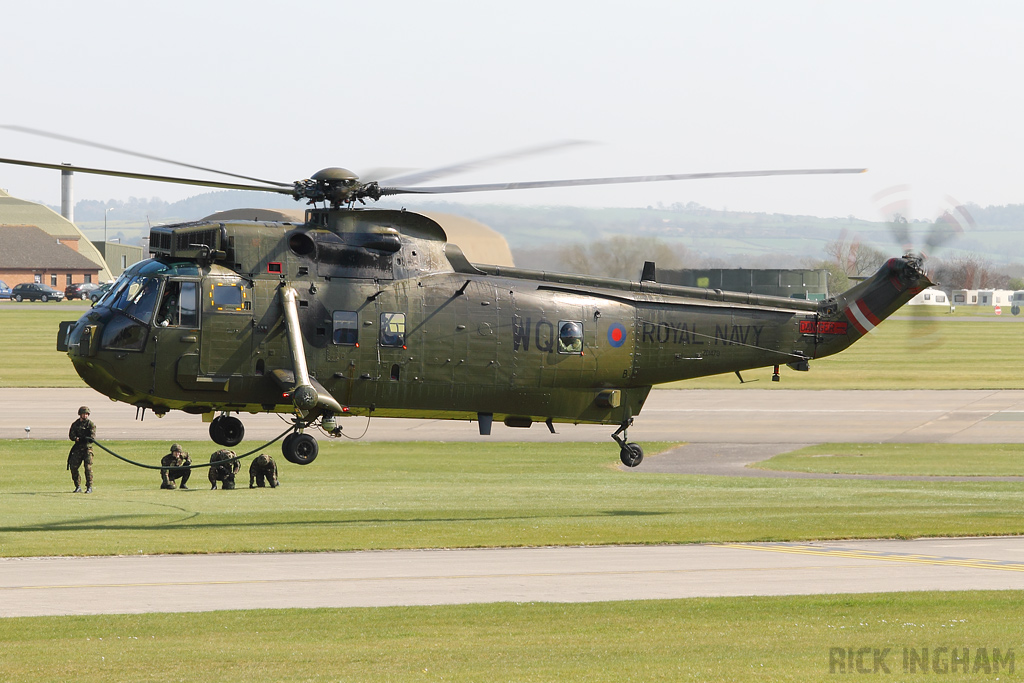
136 297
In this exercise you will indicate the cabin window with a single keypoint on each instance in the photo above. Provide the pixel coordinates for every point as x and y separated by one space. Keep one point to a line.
940 298
346 328
179 305
570 337
974 298
228 296
927 297
958 298
392 329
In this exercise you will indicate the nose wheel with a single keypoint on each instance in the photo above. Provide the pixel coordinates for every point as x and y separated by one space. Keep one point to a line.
631 454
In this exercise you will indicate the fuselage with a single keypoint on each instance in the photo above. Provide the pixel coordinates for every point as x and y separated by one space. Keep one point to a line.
393 321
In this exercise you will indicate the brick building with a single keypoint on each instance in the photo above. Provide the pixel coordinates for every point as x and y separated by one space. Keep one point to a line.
39 245
29 254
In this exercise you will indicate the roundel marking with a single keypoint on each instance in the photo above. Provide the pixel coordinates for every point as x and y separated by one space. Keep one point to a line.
616 334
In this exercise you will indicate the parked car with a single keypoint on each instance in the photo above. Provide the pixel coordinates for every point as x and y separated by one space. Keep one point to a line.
79 290
34 291
100 292
5 291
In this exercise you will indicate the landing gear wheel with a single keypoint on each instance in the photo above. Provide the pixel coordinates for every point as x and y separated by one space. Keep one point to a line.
300 449
631 454
286 446
226 430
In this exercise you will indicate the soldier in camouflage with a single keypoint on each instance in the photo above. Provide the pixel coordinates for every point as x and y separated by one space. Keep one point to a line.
263 468
223 467
82 432
175 465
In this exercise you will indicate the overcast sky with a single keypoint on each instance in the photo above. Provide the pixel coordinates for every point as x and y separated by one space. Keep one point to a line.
921 93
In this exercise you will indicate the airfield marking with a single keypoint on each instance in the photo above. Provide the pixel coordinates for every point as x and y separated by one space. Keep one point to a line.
888 557
437 577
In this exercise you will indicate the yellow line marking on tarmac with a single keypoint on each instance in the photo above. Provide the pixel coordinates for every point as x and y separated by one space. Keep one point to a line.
883 556
438 577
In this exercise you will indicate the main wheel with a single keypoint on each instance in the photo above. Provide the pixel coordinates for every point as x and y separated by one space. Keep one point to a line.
300 449
45 298
17 297
286 447
227 430
631 454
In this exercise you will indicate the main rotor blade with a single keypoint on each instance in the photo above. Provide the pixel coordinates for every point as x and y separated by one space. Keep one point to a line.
529 185
120 150
147 176
423 176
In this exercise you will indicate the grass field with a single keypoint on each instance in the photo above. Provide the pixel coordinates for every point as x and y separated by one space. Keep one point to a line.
948 353
29 340
971 460
724 639
420 495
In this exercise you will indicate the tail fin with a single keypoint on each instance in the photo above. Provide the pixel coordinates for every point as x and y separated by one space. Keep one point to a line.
862 307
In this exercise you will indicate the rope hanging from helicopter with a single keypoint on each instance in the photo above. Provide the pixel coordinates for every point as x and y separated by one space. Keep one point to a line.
200 466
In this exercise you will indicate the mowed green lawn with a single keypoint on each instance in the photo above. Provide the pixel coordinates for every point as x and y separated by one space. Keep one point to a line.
970 460
961 636
942 353
28 339
429 495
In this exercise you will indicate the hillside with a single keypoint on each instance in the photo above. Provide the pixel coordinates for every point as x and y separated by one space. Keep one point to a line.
705 233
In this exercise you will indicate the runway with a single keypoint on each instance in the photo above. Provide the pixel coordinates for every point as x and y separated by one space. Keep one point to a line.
742 416
196 583
722 431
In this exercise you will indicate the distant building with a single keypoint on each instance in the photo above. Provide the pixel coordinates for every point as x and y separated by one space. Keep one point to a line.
44 262
119 257
931 296
28 254
968 297
790 283
995 297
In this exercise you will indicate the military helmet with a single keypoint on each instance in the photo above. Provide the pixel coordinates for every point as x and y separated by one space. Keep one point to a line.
175 447
84 410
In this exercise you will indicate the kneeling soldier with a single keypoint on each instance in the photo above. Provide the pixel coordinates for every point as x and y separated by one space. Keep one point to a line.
263 467
175 466
225 470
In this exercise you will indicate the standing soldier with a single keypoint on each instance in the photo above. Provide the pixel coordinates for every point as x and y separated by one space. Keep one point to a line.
175 464
222 468
82 432
263 467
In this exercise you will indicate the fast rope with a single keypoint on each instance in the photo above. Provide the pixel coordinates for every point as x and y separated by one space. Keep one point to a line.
194 467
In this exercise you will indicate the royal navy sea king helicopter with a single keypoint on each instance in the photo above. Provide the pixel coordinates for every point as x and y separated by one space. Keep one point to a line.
366 311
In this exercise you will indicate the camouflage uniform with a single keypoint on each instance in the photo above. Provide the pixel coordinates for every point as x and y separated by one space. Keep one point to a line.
263 467
172 464
224 472
82 432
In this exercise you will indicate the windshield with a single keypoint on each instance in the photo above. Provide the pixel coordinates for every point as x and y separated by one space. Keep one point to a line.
117 295
136 297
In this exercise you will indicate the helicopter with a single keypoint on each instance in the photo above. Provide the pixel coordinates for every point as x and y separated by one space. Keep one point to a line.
362 311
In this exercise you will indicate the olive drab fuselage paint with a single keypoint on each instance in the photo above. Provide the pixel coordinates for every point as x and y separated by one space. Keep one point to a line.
374 311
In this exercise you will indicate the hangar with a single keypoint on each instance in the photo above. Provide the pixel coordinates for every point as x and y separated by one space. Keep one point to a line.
39 245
